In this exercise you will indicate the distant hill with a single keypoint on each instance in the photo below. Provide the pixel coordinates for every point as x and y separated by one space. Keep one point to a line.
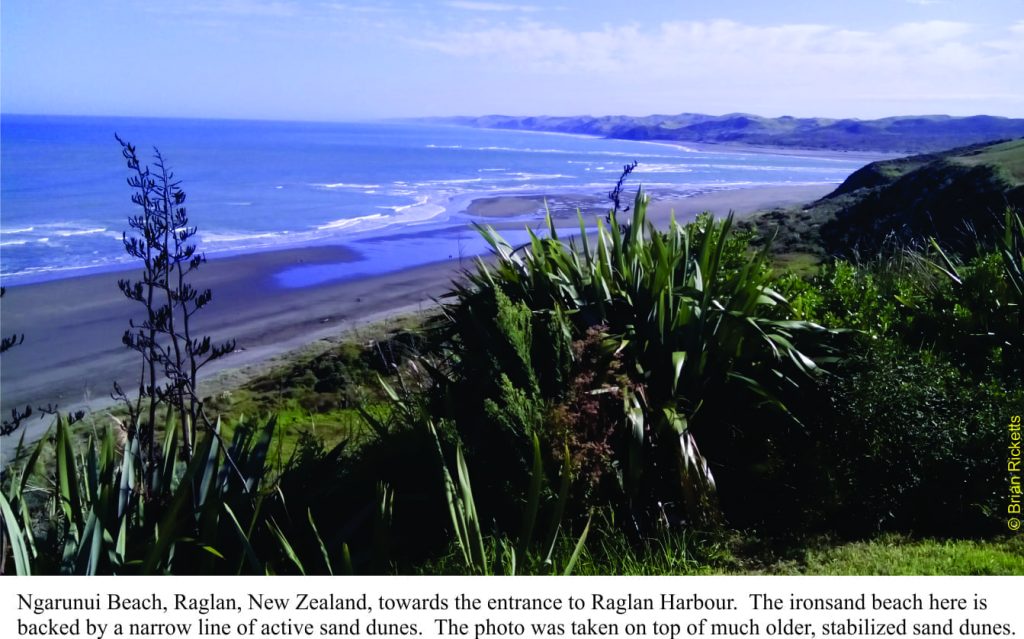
956 196
902 134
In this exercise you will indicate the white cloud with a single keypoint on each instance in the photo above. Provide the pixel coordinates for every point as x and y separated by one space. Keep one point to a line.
747 64
231 8
931 31
343 7
469 5
712 42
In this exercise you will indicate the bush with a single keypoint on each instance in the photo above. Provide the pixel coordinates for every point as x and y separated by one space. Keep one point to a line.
911 443
906 434
697 329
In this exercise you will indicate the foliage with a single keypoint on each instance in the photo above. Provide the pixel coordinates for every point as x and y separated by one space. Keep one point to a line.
906 442
930 376
985 308
504 554
94 512
687 311
969 309
171 353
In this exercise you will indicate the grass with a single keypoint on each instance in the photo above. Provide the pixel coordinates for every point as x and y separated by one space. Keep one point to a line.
798 263
885 555
1008 157
294 421
740 553
319 390
893 555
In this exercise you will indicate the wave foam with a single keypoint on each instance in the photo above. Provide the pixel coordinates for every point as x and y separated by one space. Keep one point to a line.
421 210
522 177
349 222
347 185
214 237
76 233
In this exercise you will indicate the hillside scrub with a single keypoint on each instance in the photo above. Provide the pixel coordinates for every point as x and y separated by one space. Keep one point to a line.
956 197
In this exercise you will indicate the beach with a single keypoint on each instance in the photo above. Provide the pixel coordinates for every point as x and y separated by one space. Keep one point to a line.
72 352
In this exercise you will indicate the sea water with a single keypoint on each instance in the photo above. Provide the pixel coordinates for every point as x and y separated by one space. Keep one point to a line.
395 193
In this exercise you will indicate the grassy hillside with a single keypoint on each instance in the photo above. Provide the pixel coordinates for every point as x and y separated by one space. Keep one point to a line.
901 134
1008 157
957 197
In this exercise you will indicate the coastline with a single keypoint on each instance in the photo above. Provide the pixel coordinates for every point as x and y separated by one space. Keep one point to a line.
72 352
741 201
701 147
792 151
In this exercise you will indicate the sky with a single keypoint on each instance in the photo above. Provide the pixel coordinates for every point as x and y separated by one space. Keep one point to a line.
356 60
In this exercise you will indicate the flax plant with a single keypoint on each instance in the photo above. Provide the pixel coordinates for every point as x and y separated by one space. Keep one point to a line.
693 313
86 514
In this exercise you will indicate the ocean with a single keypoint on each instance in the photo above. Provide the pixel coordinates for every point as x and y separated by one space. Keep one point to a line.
395 193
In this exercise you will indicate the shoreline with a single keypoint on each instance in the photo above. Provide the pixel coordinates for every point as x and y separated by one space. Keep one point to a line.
765 149
529 208
73 353
736 147
504 210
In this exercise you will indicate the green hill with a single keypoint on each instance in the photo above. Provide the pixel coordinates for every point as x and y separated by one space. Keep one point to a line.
956 196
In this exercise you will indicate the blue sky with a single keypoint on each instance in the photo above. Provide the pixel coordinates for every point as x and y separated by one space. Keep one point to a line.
323 60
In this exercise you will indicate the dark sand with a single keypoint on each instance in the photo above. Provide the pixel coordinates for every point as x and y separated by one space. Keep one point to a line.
72 351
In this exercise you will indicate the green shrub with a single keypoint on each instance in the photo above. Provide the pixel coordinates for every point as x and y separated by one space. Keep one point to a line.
907 442
697 326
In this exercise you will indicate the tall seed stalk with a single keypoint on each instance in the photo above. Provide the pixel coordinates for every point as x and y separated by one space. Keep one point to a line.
171 355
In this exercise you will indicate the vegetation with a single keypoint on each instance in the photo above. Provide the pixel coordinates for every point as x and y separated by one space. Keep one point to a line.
957 197
171 353
636 401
